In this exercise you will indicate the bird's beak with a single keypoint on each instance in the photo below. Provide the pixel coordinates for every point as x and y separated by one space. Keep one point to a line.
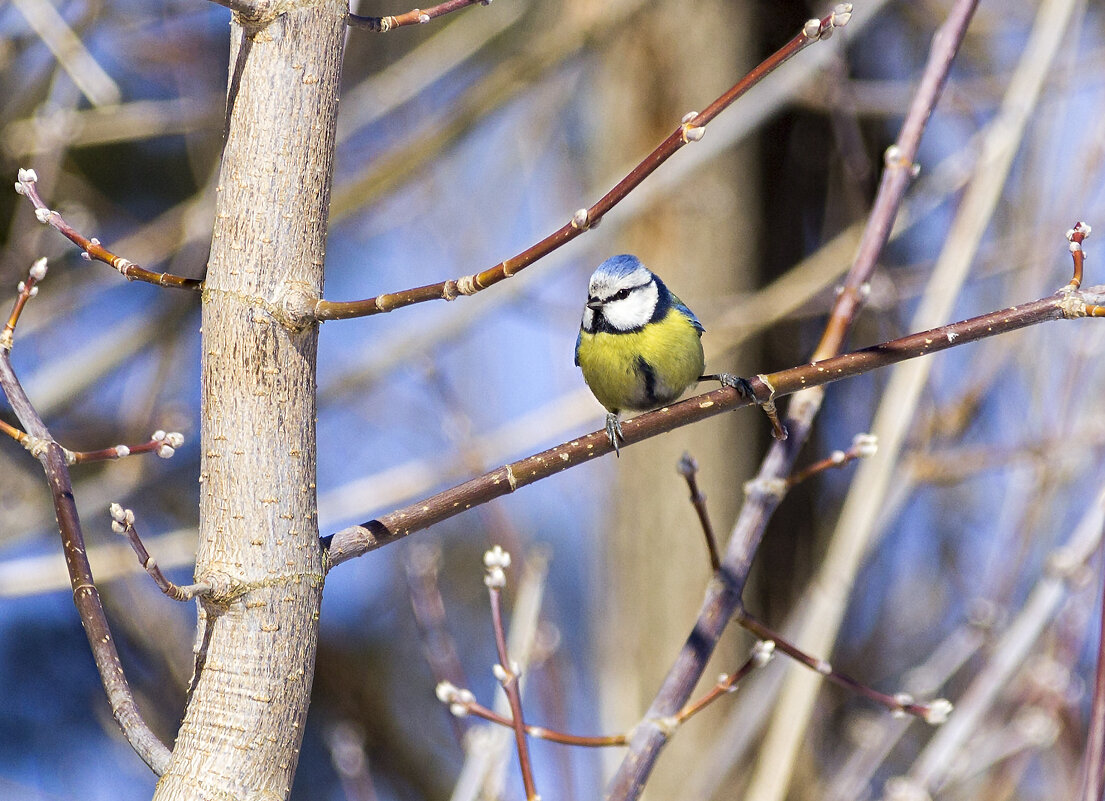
594 304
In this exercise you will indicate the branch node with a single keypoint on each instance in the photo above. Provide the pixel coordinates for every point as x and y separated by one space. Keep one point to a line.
668 724
763 652
865 445
37 446
466 285
766 488
937 711
24 178
496 560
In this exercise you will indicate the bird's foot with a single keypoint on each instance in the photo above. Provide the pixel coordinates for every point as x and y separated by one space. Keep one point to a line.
614 431
744 387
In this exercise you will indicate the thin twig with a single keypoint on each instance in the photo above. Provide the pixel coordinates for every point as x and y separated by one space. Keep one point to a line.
691 129
496 561
358 540
416 16
27 290
1093 761
122 522
727 683
462 702
862 445
1076 236
688 468
164 444
934 712
91 249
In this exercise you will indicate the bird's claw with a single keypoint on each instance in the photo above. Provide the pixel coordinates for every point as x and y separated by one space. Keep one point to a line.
744 387
614 432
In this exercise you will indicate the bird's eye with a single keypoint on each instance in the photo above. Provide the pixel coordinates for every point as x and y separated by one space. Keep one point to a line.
621 294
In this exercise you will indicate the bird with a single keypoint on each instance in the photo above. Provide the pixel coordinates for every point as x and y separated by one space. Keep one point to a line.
639 346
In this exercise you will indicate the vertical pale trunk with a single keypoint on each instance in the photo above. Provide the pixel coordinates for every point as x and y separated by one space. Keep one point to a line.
700 241
258 540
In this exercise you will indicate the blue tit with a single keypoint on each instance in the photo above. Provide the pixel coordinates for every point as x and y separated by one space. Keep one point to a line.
639 347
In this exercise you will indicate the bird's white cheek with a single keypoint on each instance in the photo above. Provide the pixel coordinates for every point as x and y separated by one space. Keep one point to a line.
631 312
588 323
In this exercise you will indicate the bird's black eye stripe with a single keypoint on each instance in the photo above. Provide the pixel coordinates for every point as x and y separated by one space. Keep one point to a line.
621 294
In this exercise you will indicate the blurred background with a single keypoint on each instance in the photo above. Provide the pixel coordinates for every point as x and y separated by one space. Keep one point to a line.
460 143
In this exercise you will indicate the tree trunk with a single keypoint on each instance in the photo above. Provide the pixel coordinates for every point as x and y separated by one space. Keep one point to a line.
258 538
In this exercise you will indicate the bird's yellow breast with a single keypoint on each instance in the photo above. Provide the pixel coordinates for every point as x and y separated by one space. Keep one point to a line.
642 369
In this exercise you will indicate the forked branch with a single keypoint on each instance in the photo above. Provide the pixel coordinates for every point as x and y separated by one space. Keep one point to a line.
85 595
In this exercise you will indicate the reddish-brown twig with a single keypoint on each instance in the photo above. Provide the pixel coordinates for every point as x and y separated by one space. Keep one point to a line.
461 702
496 560
761 654
1076 236
122 522
863 445
415 16
162 443
691 129
27 290
688 468
91 249
934 712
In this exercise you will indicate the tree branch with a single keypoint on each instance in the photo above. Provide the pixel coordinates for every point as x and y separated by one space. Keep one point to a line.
85 595
691 129
416 16
91 249
358 540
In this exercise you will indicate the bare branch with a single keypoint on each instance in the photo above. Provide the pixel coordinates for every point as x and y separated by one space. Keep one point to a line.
688 468
85 595
691 129
122 522
416 16
935 712
496 560
91 249
358 540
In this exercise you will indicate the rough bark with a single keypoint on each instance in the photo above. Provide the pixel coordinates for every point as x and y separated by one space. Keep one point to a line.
258 541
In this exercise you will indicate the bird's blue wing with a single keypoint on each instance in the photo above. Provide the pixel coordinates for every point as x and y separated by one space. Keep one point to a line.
579 338
682 309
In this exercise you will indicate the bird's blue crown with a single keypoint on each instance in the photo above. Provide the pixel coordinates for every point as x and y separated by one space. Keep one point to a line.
619 266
